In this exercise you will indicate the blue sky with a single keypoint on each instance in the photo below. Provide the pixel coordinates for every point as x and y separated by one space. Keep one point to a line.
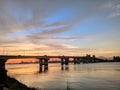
69 27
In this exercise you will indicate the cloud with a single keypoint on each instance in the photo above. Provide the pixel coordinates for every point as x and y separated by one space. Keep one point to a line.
52 26
60 38
18 17
51 37
113 6
43 39
60 29
115 14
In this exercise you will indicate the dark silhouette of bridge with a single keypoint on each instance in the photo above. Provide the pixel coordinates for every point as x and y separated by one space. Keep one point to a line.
43 60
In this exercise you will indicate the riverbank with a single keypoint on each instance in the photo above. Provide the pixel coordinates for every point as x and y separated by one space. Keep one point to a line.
13 84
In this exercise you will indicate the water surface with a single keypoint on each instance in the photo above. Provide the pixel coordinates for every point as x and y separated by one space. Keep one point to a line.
97 76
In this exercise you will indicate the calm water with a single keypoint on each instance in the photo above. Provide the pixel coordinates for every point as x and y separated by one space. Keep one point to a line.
99 76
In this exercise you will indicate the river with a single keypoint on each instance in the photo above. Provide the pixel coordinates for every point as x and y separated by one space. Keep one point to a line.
95 76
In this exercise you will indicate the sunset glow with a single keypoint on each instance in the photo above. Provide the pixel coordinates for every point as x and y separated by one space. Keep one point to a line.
60 27
21 60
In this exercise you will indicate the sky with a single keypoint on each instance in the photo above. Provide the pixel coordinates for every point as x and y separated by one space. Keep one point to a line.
60 27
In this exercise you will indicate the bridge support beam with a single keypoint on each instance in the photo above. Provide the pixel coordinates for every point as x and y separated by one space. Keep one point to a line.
46 63
64 60
3 73
75 61
78 60
40 65
43 62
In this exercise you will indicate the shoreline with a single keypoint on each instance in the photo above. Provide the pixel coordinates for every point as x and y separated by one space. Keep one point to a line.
13 84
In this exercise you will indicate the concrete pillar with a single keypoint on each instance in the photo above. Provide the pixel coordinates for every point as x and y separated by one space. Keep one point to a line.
46 62
66 60
75 60
78 60
62 61
3 73
40 64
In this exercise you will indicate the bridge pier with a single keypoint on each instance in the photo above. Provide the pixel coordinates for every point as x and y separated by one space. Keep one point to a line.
3 73
40 65
78 60
46 63
64 60
43 62
75 60
67 61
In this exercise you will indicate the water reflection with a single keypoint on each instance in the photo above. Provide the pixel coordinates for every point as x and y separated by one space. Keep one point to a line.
100 76
66 68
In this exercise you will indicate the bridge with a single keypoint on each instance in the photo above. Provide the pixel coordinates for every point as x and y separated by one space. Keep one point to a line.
43 60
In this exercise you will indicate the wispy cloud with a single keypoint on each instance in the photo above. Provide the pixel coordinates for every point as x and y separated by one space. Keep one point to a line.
115 14
55 25
113 6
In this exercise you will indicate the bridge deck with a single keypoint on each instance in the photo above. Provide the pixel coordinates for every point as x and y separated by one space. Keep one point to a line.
19 56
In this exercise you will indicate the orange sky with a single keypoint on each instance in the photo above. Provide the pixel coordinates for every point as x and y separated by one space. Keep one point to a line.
21 60
28 60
